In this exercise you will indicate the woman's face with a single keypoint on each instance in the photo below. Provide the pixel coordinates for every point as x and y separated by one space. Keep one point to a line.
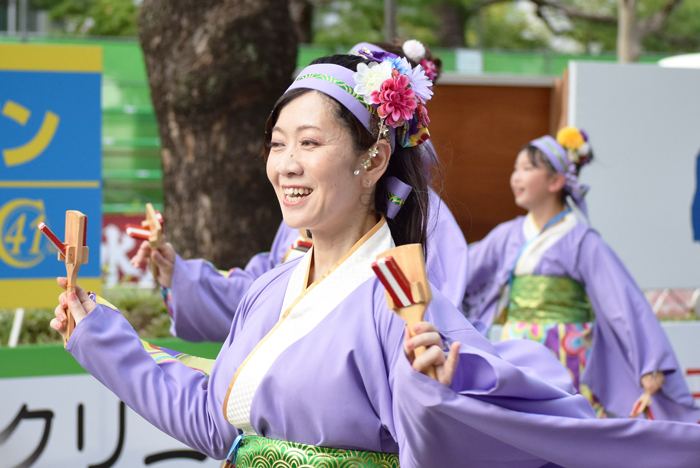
311 164
531 185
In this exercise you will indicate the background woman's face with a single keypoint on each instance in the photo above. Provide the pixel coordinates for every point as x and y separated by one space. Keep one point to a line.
530 184
311 164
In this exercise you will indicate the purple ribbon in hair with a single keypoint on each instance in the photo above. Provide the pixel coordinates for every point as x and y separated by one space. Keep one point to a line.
559 159
398 193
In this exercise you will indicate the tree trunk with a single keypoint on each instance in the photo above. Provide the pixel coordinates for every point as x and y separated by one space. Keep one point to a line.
302 12
629 39
215 68
453 18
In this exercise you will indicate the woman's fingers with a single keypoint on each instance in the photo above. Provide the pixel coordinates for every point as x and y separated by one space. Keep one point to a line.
423 327
168 252
160 260
164 269
60 313
447 372
432 356
427 339
408 350
59 322
652 382
84 298
76 307
426 335
142 254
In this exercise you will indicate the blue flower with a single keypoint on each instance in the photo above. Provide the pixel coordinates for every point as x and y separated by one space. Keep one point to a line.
401 64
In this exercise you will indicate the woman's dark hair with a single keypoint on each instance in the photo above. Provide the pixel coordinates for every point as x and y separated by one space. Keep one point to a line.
410 224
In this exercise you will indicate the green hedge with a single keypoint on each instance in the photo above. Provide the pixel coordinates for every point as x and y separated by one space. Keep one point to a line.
144 309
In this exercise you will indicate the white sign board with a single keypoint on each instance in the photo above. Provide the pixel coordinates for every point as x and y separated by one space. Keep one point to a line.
71 421
644 128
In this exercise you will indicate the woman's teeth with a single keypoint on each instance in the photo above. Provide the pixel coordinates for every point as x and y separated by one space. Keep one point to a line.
295 193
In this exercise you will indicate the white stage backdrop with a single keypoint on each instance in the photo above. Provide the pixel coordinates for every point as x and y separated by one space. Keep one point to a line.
644 125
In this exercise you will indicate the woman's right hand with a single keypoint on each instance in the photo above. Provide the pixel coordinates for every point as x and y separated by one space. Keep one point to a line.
163 261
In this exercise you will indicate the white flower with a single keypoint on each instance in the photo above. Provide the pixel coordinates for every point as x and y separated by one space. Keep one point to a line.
421 84
584 149
414 50
370 77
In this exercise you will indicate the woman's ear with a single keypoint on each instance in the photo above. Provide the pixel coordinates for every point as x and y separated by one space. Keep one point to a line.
557 183
379 163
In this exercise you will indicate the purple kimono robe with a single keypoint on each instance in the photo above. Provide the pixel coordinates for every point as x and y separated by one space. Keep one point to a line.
203 300
628 340
324 365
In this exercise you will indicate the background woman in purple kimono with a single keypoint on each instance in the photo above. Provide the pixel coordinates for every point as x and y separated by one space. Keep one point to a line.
552 279
202 299
316 369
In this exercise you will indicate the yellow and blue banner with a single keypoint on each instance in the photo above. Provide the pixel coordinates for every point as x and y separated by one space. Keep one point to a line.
50 162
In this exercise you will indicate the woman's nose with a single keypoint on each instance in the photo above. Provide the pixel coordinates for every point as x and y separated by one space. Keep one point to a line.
289 163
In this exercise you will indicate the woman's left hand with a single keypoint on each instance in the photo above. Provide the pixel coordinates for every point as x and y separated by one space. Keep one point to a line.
79 304
652 382
425 334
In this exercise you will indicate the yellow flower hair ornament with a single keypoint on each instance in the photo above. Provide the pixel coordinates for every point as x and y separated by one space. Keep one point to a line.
575 142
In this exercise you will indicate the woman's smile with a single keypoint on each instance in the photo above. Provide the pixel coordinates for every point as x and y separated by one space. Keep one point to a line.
295 195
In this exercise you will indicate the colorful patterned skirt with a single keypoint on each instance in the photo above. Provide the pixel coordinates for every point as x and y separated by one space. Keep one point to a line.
556 312
261 452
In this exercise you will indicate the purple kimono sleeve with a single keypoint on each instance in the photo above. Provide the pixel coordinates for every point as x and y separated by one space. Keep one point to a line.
430 418
203 301
498 414
173 397
628 340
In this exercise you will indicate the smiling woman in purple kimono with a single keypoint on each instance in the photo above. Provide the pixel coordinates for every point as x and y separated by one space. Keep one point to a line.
202 300
552 279
316 370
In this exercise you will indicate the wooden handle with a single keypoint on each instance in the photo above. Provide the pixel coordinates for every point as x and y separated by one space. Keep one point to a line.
154 269
411 261
153 224
70 322
76 255
641 405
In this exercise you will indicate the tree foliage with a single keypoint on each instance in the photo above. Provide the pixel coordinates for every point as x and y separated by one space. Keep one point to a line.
500 24
507 24
93 17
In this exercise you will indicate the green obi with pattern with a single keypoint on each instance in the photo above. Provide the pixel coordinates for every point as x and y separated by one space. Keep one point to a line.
548 299
261 452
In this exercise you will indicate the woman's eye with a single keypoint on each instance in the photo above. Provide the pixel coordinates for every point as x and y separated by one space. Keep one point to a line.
308 143
276 145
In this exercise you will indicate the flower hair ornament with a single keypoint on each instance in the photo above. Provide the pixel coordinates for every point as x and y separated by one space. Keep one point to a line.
575 142
397 92
568 153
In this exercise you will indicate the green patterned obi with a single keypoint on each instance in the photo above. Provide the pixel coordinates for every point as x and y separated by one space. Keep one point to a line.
261 452
548 299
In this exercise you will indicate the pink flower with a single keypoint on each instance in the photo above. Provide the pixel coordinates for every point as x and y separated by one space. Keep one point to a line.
397 102
429 67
